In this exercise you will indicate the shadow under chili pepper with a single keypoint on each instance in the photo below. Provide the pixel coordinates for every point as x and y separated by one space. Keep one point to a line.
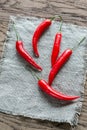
53 101
30 68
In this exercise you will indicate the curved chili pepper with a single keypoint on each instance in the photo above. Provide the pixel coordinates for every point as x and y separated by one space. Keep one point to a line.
38 32
59 63
56 46
20 49
52 92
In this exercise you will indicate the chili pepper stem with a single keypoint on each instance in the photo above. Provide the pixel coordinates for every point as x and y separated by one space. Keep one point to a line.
78 43
37 76
17 35
60 29
52 18
61 24
34 74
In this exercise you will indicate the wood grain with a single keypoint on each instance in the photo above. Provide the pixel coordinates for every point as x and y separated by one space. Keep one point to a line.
72 11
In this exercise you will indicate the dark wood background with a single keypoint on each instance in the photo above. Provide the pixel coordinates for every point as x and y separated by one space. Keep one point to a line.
72 11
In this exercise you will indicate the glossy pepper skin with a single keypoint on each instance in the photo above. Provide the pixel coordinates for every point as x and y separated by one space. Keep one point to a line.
56 48
37 34
52 92
20 49
58 65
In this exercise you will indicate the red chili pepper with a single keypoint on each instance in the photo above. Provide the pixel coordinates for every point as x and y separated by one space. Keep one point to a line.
52 92
38 32
56 46
20 49
61 61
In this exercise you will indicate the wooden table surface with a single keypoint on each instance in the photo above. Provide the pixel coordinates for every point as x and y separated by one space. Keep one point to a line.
72 11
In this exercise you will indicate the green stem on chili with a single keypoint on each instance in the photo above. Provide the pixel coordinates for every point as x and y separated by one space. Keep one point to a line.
60 29
17 35
79 43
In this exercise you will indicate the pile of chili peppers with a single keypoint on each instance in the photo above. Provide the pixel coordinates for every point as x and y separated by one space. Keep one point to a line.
56 62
